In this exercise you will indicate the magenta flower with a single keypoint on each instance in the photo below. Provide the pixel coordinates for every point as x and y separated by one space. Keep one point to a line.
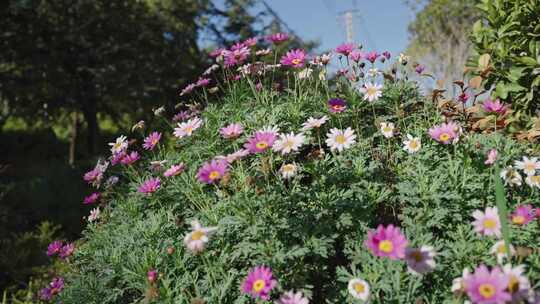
188 89
345 48
356 55
92 198
419 68
445 133
152 275
152 140
174 170
54 288
217 52
260 141
485 287
130 158
294 58
463 97
250 41
491 157
290 297
231 131
117 158
203 82
66 250
236 57
387 242
182 115
212 171
372 56
278 38
337 105
150 186
523 215
496 106
386 54
259 283
54 248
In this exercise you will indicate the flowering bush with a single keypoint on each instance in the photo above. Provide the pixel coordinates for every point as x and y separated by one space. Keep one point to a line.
277 184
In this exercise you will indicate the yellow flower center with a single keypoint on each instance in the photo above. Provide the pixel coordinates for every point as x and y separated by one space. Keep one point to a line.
288 144
337 107
486 290
413 144
188 129
417 256
489 224
513 284
386 246
444 137
288 168
340 139
387 129
518 219
371 91
359 287
530 167
535 179
261 145
197 235
259 285
213 175
296 61
154 142
501 249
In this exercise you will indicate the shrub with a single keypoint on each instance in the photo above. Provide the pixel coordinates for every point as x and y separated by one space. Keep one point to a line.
308 215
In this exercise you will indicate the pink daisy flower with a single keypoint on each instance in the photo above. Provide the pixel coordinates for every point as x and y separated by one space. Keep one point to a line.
152 275
387 54
345 48
491 157
523 215
337 105
151 140
231 131
203 82
92 198
250 41
174 170
182 115
387 242
187 128
130 158
93 177
231 158
66 250
54 248
496 106
294 58
188 89
277 38
117 158
259 283
150 186
236 57
445 133
260 141
217 52
212 171
487 287
487 223
356 55
372 56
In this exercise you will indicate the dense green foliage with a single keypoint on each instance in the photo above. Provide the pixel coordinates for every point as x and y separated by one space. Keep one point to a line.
309 229
509 32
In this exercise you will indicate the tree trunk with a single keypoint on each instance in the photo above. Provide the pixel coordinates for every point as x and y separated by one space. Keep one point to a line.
90 115
73 137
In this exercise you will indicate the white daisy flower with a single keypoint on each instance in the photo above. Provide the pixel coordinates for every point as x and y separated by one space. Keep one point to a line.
533 181
374 72
359 289
528 165
420 260
371 92
511 176
287 143
340 140
186 128
196 240
412 144
288 170
403 58
94 215
120 145
313 123
305 73
500 251
457 284
518 285
387 129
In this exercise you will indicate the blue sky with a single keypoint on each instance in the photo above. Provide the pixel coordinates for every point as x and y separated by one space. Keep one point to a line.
381 24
